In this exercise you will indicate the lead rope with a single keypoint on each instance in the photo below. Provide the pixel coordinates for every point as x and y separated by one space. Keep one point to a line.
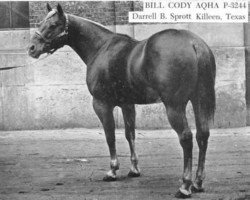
31 63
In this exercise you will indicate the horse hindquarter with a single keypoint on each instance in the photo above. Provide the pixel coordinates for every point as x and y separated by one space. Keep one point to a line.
171 66
181 67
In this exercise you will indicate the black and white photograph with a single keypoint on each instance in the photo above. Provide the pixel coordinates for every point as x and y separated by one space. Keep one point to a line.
125 100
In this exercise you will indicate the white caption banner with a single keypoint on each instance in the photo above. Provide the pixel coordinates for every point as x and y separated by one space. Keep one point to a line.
174 11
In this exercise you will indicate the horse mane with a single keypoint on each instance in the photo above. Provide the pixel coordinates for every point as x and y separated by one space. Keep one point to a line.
101 25
96 23
104 28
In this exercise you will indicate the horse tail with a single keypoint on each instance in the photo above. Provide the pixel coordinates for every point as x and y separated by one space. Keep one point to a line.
205 91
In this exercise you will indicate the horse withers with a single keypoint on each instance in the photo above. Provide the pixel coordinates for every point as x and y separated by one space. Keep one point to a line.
172 67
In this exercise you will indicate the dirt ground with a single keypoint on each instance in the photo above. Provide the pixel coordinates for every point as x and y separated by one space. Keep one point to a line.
70 164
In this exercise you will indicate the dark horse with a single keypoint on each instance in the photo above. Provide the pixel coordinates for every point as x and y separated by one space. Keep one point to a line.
172 66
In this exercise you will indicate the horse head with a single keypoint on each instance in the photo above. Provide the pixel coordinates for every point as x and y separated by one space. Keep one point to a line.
52 33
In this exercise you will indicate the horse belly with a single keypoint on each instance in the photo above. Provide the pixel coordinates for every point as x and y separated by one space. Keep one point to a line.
141 96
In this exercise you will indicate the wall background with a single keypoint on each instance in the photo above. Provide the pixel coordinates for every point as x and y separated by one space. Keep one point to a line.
52 93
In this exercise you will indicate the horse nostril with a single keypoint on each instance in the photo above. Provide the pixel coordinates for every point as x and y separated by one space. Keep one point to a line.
32 47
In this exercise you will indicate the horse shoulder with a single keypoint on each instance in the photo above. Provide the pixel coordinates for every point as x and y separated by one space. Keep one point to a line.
109 66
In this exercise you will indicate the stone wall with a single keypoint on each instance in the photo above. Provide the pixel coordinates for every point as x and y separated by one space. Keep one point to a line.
52 92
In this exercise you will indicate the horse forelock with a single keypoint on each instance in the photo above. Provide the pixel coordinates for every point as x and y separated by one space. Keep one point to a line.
51 14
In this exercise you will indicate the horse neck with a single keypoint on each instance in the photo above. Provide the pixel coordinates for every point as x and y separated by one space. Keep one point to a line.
86 37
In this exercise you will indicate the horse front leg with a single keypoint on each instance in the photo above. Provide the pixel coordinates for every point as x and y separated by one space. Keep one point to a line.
128 112
105 113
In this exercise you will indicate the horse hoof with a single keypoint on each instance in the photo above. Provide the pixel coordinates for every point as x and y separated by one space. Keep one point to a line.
197 190
181 195
133 174
109 178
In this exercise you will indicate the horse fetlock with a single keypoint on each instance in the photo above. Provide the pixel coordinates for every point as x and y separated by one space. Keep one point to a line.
187 183
111 173
134 160
135 166
114 165
197 187
198 182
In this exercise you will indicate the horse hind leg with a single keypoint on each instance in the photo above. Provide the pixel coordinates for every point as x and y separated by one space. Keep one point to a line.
129 122
177 119
202 135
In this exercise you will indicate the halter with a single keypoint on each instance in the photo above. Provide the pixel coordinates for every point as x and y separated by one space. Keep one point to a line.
51 45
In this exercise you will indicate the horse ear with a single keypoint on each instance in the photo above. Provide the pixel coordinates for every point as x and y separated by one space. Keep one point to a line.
48 7
59 9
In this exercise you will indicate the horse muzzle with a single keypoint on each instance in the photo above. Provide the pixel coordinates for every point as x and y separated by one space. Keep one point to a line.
34 51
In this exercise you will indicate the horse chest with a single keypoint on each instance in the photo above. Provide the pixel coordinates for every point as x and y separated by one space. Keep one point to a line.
97 85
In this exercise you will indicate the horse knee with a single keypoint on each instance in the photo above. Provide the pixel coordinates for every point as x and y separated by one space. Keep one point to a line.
202 136
186 138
